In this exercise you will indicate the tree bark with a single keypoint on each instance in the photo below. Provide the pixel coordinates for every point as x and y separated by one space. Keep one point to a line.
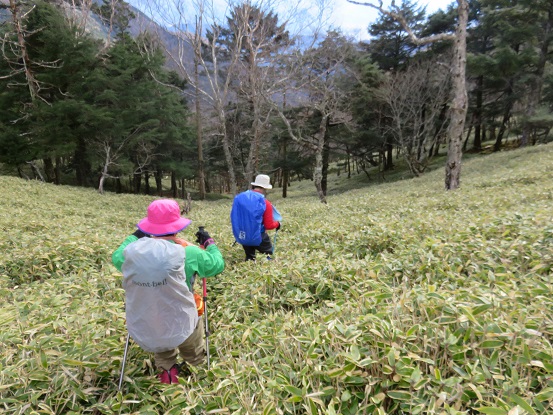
137 182
285 169
536 84
49 169
147 183
459 102
506 117
158 174
24 55
57 171
228 158
174 190
82 167
326 160
197 55
477 143
318 173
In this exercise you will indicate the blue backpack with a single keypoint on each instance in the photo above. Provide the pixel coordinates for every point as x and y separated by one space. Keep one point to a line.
246 217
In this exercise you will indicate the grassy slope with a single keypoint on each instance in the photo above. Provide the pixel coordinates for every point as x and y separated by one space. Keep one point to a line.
393 298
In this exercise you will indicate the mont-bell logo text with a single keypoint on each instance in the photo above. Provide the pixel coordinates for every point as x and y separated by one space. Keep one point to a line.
150 284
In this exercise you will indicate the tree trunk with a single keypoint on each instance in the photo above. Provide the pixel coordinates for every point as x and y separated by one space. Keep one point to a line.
137 182
285 169
158 175
506 117
318 173
24 55
536 83
183 190
57 171
201 167
326 158
226 150
49 169
101 184
22 173
104 170
389 164
147 183
36 171
252 164
477 143
174 190
82 167
459 102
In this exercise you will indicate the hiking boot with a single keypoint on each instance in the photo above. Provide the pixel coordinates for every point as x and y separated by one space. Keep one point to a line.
164 377
170 376
173 373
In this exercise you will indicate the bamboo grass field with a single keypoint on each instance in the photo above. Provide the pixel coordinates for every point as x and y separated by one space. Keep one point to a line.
395 298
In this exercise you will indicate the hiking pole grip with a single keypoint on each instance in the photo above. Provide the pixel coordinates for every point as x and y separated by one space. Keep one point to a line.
206 321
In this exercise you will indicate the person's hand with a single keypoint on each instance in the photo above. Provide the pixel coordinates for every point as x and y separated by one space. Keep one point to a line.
278 227
139 234
203 238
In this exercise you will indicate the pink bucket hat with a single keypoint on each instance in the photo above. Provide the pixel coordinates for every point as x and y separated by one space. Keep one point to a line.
163 218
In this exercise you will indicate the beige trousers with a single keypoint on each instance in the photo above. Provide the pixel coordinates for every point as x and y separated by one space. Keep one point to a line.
192 350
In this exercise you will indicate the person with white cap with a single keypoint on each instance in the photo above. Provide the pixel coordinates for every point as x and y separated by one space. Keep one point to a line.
159 269
260 242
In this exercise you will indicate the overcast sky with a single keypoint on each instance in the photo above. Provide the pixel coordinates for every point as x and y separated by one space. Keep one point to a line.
354 19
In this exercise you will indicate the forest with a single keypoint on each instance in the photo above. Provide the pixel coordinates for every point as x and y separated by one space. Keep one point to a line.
97 94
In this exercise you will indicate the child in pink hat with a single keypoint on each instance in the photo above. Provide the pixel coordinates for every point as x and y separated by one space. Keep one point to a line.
159 270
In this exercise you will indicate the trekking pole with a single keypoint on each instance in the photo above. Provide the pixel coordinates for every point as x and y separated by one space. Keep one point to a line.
206 323
123 363
274 242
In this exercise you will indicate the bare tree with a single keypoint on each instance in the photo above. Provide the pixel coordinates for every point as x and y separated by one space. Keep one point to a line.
18 12
459 100
79 15
323 68
110 152
223 72
214 85
265 39
415 98
110 159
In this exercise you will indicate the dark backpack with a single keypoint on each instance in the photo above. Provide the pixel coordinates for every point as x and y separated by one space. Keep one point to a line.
246 217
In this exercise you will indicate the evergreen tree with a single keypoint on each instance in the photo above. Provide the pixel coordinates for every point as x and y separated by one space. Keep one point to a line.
390 47
371 136
93 113
46 128
145 127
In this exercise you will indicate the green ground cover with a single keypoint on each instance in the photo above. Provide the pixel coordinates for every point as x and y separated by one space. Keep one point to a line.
396 298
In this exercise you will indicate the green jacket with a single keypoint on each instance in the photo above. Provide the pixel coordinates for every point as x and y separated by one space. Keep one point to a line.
202 262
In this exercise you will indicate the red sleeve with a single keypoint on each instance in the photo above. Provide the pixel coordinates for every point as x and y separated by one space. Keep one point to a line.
268 220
